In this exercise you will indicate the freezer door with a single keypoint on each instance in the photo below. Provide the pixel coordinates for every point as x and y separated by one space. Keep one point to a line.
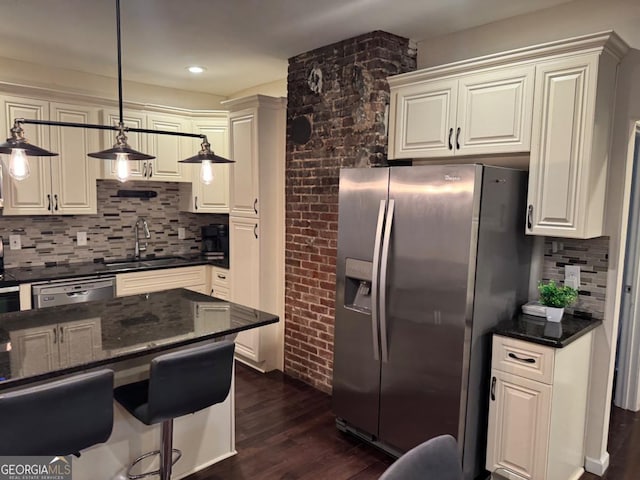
431 248
356 366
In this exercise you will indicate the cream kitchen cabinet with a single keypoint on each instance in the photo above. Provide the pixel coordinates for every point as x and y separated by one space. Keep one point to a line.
481 113
195 197
220 283
135 283
256 222
256 145
62 185
41 349
572 121
537 410
167 149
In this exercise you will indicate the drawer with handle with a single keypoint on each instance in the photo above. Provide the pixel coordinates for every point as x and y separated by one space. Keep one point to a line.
522 358
220 277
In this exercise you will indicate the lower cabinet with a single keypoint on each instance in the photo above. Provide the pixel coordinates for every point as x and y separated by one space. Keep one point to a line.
538 403
135 283
254 284
41 349
220 281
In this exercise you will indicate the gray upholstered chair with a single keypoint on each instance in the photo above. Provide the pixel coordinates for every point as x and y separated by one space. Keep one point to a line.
61 417
180 383
435 459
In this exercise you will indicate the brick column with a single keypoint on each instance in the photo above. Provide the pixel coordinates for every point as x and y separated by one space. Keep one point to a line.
342 90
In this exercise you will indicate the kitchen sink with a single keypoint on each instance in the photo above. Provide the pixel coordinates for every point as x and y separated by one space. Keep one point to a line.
150 262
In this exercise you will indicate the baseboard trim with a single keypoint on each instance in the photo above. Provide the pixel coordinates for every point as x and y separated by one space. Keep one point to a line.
597 466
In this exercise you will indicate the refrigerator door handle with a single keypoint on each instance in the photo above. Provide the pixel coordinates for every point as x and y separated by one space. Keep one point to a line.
374 280
383 282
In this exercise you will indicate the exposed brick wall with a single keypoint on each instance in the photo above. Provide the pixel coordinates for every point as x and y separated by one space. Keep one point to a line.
347 114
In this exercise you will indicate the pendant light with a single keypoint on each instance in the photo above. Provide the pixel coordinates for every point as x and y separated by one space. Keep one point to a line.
19 148
121 151
206 158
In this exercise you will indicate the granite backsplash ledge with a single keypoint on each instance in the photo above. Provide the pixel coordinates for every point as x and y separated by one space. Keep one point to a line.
110 233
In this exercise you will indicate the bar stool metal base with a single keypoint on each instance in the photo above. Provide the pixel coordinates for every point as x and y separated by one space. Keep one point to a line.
166 452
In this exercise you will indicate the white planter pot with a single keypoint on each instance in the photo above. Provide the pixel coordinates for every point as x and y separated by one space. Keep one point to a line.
554 314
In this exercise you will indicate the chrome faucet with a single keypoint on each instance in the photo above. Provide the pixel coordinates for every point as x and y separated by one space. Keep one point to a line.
141 248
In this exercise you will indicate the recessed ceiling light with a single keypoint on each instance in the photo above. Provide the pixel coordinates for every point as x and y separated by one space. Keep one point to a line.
196 69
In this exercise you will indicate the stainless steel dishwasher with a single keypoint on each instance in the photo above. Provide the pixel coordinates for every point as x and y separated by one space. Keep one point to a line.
69 291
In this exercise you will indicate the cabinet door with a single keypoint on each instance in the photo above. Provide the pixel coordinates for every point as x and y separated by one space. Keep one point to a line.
244 261
137 141
30 196
34 350
213 198
167 149
73 173
519 416
494 112
244 175
423 120
79 341
563 107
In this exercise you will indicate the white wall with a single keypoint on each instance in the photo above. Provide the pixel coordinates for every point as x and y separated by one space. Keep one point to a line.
568 20
23 73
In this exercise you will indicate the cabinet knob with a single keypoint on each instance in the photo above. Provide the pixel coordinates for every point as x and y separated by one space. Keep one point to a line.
530 217
144 169
56 199
255 230
255 206
48 202
458 139
195 202
450 144
150 169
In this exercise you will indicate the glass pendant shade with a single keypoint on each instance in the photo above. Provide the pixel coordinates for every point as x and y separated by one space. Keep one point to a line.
122 167
206 172
19 164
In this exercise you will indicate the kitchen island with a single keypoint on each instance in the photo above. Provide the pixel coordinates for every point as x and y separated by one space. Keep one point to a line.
124 334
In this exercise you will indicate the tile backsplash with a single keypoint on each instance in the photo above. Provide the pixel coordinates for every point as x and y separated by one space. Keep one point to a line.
593 258
110 232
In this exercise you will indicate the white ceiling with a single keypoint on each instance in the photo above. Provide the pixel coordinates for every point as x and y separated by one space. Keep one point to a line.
242 43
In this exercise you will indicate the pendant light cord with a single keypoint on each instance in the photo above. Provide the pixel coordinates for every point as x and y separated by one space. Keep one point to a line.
119 62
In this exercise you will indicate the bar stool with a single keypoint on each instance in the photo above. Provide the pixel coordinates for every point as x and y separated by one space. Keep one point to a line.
60 417
179 383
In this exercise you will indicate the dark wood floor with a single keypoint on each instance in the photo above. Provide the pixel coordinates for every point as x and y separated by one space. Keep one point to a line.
285 430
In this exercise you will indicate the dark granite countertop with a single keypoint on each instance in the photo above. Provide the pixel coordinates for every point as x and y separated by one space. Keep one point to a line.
72 338
538 330
99 268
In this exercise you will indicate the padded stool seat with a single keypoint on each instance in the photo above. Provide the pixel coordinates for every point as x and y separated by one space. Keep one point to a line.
60 417
180 383
435 459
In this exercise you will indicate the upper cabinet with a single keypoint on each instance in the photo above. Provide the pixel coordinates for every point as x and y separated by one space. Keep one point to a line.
62 185
572 120
245 186
483 113
553 100
195 197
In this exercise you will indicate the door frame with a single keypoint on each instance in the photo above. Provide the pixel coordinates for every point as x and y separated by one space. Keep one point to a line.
627 388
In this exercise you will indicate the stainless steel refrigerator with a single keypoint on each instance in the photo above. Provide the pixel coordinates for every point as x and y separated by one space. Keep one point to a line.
429 259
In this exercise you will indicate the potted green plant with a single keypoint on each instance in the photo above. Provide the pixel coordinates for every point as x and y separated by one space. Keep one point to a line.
556 297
